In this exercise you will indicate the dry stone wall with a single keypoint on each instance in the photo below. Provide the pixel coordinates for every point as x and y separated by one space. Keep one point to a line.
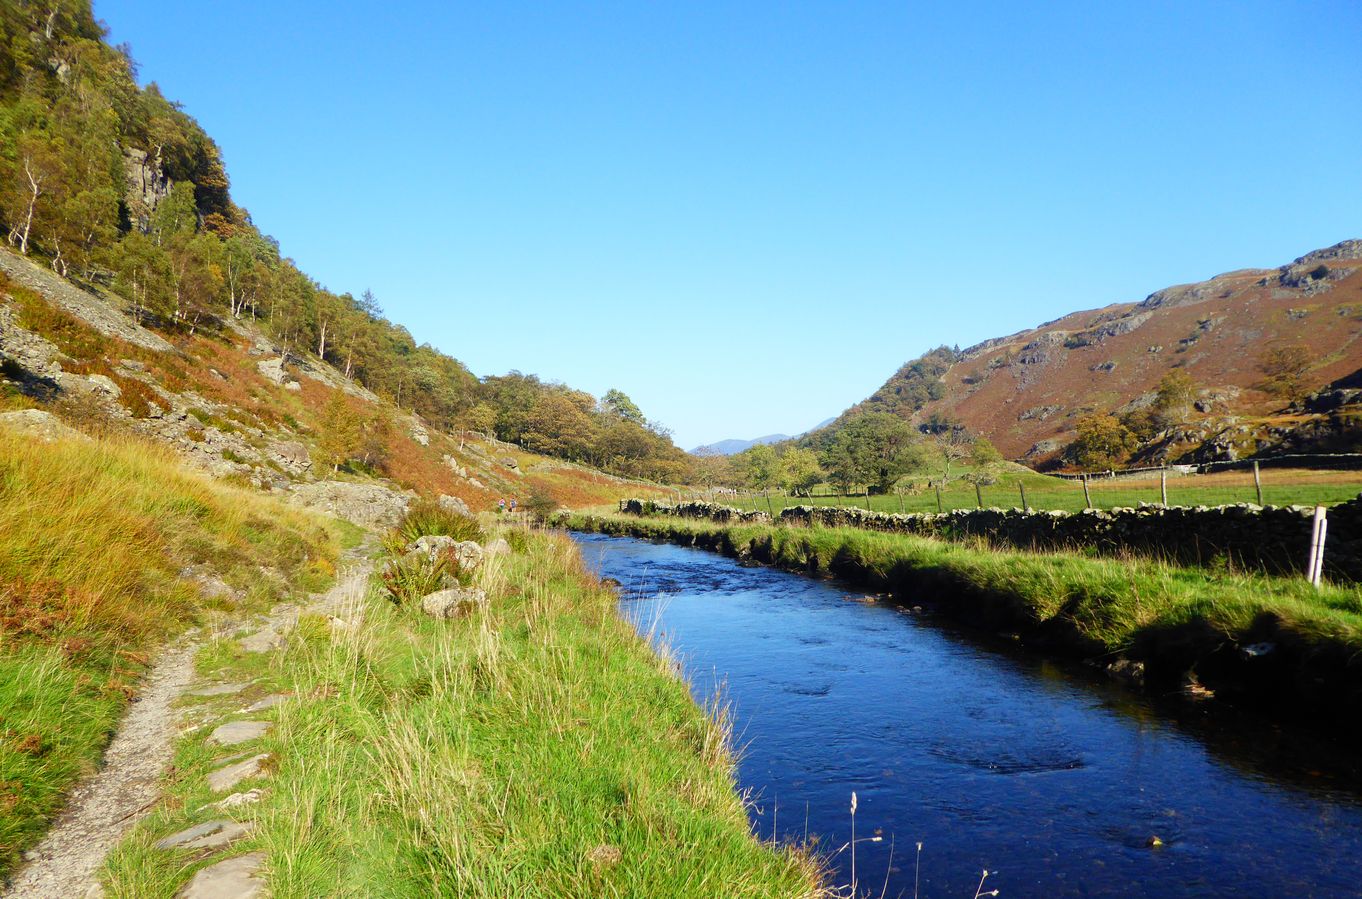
1273 539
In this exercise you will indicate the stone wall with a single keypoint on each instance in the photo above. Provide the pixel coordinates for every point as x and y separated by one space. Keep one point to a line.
1273 539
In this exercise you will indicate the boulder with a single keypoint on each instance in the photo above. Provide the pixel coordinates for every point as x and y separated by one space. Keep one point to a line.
291 456
498 547
39 425
453 603
453 504
432 545
468 554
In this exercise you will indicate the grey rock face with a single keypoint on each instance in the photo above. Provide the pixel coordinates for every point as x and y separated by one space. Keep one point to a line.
368 505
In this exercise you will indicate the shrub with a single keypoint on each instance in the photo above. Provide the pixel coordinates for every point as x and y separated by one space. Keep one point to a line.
409 577
426 518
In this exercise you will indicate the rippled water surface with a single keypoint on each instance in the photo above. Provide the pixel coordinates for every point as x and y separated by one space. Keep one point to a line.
1053 777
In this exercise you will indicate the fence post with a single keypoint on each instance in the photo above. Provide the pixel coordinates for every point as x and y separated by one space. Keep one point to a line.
1257 482
978 496
770 508
901 509
1320 527
1022 488
1163 488
939 509
1087 497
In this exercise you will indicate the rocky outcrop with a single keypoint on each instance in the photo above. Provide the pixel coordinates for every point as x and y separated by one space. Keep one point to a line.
368 505
103 313
147 186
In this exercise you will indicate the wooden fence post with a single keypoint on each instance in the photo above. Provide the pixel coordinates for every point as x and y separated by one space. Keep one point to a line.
1022 488
939 508
1163 487
1087 497
1257 482
978 496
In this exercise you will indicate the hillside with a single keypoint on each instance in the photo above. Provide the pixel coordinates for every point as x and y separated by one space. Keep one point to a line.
118 208
1025 392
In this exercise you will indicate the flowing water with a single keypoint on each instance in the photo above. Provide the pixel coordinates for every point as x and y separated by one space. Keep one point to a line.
1048 774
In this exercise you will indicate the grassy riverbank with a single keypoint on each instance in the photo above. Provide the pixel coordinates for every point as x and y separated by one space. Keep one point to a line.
107 548
1183 625
535 748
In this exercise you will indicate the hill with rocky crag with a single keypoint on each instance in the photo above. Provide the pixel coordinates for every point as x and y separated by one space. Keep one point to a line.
1027 392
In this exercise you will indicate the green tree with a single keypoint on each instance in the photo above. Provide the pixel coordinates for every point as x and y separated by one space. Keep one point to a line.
759 467
800 471
616 402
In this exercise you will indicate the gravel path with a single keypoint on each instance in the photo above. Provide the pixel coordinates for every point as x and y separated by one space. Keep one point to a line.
103 807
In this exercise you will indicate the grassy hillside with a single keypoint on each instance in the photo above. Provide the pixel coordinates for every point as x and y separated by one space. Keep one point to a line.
108 547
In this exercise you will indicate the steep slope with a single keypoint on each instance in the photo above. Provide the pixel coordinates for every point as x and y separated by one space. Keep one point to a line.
238 405
1025 391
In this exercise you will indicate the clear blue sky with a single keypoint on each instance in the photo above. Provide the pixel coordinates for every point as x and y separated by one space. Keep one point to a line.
747 215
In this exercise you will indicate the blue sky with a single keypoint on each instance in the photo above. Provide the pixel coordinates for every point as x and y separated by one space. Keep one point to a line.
748 215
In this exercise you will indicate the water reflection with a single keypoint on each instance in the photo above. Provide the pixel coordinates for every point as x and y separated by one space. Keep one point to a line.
1051 775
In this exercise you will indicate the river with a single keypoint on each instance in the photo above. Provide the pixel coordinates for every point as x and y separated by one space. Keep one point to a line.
1047 774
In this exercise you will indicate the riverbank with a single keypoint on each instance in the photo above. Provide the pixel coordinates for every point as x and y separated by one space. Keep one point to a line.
532 746
1276 645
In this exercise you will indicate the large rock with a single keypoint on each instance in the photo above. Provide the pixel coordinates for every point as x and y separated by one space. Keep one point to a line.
453 603
367 505
454 504
39 425
291 456
234 732
432 545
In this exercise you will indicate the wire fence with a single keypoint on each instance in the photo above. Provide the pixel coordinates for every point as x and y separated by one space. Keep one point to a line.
1226 485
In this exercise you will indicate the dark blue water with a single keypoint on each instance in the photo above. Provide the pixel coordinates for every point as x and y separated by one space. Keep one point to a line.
1053 777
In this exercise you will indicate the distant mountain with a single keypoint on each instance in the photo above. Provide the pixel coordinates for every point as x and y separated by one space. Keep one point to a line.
734 446
1025 392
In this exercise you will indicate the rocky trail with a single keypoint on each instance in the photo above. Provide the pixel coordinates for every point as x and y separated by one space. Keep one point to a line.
106 805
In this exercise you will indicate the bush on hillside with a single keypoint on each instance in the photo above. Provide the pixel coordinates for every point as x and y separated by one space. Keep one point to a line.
426 518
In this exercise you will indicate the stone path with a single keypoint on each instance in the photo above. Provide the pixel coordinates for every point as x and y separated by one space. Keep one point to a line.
104 807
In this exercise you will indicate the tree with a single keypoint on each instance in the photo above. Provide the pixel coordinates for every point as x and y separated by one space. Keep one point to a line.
616 402
341 431
800 471
983 453
1173 397
480 419
1284 368
875 449
1102 442
759 467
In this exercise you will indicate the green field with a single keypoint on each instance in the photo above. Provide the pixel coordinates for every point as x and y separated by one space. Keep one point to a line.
1280 487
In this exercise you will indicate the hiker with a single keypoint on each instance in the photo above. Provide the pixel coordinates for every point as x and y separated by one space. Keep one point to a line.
501 506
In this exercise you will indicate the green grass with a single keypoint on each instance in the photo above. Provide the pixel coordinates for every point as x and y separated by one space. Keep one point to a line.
96 539
512 752
1290 488
1111 603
